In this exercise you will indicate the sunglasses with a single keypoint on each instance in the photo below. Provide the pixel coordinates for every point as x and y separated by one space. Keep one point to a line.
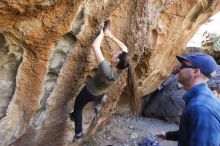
183 65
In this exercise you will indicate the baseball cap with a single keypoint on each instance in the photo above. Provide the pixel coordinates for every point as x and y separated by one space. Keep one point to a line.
205 63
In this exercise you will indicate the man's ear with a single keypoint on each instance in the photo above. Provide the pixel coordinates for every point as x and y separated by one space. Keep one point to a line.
197 71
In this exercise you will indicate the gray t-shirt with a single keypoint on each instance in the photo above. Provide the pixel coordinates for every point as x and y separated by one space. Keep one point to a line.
103 78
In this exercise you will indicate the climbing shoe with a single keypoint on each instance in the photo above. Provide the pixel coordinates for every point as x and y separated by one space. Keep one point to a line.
78 136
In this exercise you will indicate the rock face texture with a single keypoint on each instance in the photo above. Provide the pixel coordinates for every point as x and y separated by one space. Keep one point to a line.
46 56
166 102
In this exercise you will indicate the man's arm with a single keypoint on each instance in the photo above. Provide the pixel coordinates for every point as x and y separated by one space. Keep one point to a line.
170 135
202 127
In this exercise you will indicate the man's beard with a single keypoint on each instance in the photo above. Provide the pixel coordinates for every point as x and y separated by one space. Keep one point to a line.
184 80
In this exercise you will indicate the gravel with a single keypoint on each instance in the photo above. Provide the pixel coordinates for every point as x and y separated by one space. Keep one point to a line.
123 130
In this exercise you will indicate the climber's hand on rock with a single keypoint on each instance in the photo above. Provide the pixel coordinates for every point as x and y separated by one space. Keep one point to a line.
108 33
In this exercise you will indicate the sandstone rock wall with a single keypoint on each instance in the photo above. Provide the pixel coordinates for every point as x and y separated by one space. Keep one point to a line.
46 56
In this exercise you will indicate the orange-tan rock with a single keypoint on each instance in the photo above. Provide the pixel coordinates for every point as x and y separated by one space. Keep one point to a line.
45 58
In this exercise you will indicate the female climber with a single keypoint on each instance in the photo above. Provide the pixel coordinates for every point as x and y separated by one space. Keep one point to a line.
105 76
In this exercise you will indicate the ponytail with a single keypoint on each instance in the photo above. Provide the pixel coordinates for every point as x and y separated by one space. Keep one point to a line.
135 100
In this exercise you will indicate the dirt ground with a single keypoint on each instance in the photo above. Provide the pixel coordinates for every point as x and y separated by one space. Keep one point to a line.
123 130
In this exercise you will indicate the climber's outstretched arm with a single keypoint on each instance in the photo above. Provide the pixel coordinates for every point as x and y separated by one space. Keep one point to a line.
97 47
114 39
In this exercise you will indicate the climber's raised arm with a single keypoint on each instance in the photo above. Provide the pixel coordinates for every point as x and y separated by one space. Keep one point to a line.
108 34
97 47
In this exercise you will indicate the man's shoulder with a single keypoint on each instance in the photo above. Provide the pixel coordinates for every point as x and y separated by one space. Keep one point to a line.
204 97
205 101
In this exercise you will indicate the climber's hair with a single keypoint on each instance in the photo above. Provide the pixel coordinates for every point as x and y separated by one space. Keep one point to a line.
124 62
